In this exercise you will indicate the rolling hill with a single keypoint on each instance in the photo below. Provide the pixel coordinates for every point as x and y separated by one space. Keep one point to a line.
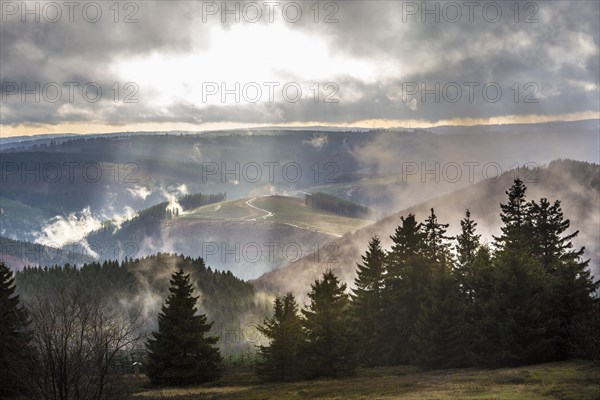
289 211
247 236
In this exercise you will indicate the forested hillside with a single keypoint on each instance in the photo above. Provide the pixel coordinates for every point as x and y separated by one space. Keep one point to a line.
149 221
575 183
441 301
140 286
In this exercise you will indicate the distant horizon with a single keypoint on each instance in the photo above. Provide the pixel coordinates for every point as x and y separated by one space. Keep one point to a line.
309 126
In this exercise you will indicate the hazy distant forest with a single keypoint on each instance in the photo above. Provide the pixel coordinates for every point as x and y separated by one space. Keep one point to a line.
432 300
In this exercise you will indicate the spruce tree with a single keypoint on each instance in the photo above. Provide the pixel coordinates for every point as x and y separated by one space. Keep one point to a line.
280 360
572 286
406 280
407 245
329 348
367 304
550 244
467 245
434 237
16 350
514 215
519 303
181 352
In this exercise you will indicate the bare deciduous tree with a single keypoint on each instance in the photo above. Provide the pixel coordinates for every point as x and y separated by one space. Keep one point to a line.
79 340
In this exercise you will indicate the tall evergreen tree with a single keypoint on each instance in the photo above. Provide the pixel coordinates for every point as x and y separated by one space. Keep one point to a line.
519 302
434 237
280 361
180 352
367 304
406 280
572 286
407 245
550 244
467 245
514 215
15 338
329 349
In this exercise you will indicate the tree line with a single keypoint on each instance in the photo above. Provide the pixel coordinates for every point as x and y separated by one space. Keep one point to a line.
224 294
151 218
336 205
442 302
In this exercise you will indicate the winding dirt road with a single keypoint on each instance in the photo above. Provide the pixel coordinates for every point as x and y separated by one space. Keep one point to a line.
267 213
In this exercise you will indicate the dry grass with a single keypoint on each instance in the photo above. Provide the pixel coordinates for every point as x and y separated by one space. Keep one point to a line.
567 380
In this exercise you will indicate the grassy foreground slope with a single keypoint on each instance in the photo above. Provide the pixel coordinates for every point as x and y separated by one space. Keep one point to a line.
566 380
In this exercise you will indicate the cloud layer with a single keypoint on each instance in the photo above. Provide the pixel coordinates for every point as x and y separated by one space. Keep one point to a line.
180 64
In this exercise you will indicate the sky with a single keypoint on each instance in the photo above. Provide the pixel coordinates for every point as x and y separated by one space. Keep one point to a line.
92 67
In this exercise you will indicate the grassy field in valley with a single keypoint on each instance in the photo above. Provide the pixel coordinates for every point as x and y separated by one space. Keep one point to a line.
276 209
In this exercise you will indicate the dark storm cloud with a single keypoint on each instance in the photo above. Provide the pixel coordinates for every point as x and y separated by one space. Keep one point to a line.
558 55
